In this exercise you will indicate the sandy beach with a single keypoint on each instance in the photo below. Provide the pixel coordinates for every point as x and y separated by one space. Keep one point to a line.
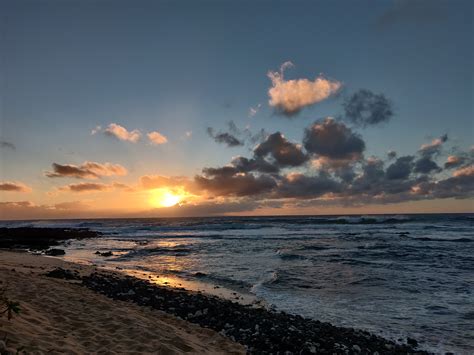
60 316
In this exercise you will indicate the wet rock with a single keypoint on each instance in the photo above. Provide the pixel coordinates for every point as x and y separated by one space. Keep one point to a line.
412 342
55 252
41 238
105 253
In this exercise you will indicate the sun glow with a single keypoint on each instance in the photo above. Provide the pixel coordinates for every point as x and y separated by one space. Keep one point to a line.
165 198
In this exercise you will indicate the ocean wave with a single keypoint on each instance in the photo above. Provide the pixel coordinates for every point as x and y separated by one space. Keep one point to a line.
171 251
456 240
289 256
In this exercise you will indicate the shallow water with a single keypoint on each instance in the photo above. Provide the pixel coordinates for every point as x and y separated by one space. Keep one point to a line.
399 276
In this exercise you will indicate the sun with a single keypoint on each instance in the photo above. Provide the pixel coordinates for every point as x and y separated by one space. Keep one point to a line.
165 197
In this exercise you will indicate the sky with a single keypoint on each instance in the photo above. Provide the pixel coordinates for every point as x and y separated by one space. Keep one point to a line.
189 108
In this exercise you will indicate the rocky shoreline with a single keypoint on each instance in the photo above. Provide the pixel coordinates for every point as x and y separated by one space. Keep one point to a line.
260 330
34 238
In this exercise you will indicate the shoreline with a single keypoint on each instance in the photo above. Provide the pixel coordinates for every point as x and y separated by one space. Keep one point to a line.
258 329
62 316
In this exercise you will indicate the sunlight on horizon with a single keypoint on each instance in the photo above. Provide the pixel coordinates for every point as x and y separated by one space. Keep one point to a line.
165 197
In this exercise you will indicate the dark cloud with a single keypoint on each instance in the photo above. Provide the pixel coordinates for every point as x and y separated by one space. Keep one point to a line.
333 140
242 165
305 187
426 165
364 108
283 152
224 138
13 186
433 148
235 185
401 169
391 154
85 187
7 145
87 170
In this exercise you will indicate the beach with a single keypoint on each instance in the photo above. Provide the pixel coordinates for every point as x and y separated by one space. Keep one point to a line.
60 316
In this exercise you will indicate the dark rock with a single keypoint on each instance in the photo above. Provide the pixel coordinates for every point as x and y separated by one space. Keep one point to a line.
105 253
55 252
60 273
40 238
412 342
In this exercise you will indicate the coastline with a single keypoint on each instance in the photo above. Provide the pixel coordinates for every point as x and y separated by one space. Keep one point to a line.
113 303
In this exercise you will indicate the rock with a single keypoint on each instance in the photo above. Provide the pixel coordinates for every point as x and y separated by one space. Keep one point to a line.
60 273
412 342
105 253
199 274
3 346
55 252
356 348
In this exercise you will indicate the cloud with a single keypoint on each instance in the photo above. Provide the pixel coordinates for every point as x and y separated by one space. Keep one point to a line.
391 154
254 110
453 161
401 169
7 145
364 108
235 185
29 210
283 152
224 138
156 138
150 182
85 187
464 171
302 186
87 170
289 97
434 147
333 140
426 165
14 186
117 131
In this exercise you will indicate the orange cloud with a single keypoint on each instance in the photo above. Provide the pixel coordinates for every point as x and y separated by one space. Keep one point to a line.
465 171
14 186
290 96
156 138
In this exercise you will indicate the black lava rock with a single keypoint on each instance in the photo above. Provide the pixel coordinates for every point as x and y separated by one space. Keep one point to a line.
55 252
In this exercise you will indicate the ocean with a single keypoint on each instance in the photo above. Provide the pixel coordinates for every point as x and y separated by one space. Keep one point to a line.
395 275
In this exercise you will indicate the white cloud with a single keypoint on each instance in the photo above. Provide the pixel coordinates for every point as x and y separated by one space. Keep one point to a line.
120 132
290 96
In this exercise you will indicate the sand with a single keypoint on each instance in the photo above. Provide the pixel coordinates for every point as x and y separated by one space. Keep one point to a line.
59 316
